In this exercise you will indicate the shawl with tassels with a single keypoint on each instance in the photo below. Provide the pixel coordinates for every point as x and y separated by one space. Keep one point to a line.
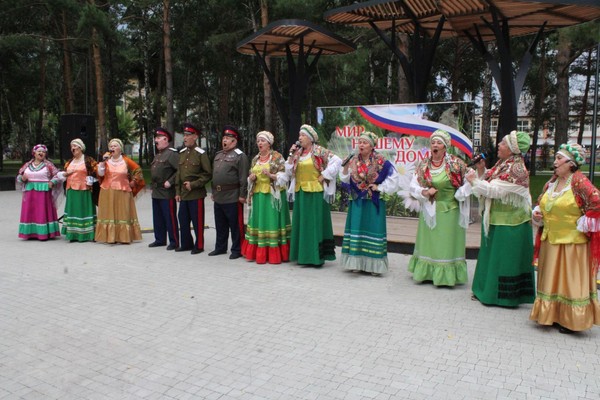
507 182
455 169
587 197
363 173
322 159
454 166
276 166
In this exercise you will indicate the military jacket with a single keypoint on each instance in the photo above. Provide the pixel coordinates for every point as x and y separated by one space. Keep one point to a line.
194 166
163 169
230 176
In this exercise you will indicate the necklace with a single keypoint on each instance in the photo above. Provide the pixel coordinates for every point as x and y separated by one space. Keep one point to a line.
437 165
265 158
553 196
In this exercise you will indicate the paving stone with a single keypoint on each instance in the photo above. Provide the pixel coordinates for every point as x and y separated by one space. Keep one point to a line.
94 321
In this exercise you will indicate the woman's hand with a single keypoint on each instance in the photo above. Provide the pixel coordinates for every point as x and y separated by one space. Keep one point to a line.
480 166
537 216
429 193
266 172
471 175
252 177
293 149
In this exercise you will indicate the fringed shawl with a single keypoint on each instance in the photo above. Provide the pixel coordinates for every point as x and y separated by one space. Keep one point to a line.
511 170
276 166
508 182
320 157
454 166
363 173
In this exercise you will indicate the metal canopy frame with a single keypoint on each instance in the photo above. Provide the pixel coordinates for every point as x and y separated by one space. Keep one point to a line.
306 42
479 21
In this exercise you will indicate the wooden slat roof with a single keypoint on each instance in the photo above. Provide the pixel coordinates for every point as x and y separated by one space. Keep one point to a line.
524 16
272 40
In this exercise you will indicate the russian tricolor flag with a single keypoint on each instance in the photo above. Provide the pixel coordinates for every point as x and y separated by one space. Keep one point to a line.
413 125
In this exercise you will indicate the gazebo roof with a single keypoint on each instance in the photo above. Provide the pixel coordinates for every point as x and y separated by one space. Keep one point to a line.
466 16
272 40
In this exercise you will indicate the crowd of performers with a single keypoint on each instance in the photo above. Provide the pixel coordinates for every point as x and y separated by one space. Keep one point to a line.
566 217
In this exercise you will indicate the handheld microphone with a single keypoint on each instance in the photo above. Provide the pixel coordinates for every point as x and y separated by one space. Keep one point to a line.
297 144
347 159
477 158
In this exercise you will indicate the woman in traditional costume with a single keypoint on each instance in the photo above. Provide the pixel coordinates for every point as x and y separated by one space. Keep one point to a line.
79 221
568 243
121 180
268 231
313 171
366 176
504 273
38 179
442 196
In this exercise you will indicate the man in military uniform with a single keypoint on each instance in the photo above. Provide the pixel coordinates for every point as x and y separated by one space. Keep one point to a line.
193 173
229 190
164 206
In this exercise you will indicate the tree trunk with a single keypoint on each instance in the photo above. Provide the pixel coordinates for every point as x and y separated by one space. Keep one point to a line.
562 90
111 96
224 87
539 102
586 93
268 94
404 92
168 65
99 92
486 111
147 114
42 93
69 105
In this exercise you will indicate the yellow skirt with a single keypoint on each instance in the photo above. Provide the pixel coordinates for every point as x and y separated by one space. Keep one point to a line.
117 218
566 288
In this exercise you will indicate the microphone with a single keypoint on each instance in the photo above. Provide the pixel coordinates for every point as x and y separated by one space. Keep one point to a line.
297 144
347 159
477 158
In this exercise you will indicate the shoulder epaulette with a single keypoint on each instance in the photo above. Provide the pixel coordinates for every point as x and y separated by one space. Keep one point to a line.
172 149
183 150
199 150
238 151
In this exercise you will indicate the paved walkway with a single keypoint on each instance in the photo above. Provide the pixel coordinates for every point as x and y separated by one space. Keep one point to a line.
95 321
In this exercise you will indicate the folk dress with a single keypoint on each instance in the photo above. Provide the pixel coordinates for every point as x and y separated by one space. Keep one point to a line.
504 273
364 247
269 228
439 254
117 216
312 241
566 288
39 219
79 221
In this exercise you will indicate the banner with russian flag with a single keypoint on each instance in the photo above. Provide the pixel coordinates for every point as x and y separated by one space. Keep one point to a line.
404 129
